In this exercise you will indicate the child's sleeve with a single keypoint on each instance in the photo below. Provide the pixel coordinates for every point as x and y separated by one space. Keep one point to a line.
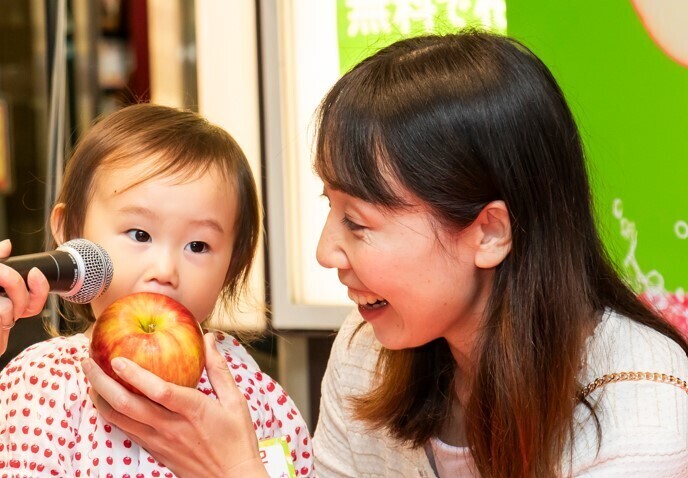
40 401
291 425
273 412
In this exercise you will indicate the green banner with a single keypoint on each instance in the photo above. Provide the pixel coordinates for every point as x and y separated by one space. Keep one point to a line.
365 26
629 92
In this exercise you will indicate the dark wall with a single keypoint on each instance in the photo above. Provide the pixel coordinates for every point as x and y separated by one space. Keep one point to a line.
23 85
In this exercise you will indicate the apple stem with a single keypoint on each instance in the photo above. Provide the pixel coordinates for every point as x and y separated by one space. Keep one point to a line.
148 328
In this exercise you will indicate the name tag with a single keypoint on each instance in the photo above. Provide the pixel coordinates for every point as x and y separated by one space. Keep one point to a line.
276 457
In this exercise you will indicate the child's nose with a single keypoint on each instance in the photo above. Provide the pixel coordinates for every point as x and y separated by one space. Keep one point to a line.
164 270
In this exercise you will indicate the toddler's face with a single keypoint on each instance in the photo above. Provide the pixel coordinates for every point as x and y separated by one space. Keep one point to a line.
164 235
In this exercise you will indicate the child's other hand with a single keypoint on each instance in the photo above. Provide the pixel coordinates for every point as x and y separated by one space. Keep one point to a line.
18 301
189 432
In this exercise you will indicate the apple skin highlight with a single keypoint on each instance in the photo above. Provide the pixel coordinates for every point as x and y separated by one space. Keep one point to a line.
154 331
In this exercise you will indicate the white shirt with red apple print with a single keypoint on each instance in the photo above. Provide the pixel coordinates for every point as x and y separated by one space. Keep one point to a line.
49 426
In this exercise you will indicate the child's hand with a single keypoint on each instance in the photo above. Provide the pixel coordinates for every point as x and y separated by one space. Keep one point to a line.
189 432
18 301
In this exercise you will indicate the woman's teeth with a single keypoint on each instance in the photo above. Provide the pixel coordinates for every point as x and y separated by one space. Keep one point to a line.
368 301
376 305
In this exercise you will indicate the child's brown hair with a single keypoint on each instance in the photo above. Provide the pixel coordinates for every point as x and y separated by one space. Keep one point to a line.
184 145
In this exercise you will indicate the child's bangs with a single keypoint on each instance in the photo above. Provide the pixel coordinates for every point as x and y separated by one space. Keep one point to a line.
186 166
182 164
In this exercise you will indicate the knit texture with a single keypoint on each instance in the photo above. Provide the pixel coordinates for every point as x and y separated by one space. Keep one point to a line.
644 424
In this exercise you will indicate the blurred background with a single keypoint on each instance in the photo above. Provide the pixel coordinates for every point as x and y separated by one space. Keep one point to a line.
258 68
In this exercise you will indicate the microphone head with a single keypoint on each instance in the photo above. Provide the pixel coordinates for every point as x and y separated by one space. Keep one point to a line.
95 270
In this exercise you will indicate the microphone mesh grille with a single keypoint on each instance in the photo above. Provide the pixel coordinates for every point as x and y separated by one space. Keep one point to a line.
97 267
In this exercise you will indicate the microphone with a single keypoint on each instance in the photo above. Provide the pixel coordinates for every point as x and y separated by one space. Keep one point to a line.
78 270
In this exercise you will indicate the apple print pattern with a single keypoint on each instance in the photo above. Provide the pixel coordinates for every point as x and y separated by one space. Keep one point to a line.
49 426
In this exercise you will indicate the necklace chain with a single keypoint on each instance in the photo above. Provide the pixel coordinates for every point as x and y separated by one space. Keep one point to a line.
632 376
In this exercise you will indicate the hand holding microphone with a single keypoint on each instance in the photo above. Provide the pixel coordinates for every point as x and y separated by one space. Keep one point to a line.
79 271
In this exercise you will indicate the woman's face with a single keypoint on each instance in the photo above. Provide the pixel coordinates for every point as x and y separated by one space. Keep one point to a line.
413 280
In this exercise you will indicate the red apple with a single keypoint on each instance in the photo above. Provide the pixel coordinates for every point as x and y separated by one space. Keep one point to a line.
156 332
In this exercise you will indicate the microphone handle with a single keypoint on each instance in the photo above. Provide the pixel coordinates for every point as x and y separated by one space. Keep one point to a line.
59 267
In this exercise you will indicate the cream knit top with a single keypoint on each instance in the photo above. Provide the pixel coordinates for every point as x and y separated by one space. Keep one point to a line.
644 424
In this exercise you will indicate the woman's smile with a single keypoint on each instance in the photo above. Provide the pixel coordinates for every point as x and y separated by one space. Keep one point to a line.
366 299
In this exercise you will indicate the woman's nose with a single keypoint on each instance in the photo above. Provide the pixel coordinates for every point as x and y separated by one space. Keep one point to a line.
330 252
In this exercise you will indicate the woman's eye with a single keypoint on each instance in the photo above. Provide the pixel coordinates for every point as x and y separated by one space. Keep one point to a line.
138 235
352 226
198 247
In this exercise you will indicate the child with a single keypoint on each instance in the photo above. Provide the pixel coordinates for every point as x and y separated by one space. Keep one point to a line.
172 199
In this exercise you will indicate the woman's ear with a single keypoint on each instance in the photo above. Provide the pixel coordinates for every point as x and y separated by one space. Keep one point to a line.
495 235
57 223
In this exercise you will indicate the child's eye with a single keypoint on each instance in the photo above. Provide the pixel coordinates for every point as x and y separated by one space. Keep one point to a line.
198 247
352 226
138 235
